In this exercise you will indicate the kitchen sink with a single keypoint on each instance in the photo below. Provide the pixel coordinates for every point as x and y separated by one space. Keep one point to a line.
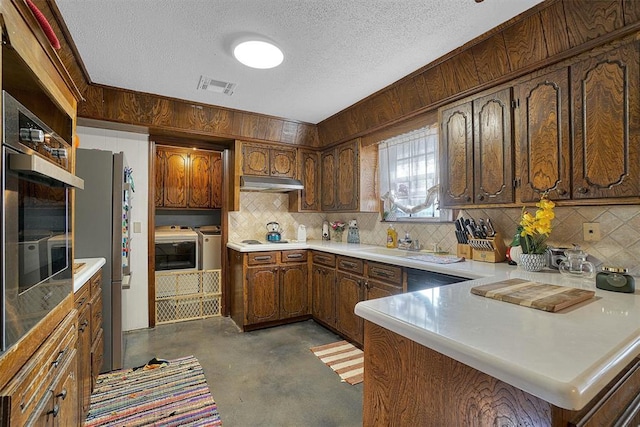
400 252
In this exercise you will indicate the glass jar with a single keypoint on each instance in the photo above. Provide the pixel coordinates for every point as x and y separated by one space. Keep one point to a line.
576 264
615 279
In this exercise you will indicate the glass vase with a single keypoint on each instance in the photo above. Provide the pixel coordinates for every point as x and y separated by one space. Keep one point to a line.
533 262
336 236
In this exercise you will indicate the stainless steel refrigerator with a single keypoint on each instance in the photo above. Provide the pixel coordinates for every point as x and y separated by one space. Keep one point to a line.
102 230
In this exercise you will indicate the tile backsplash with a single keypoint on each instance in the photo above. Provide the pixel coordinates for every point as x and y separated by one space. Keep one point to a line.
619 227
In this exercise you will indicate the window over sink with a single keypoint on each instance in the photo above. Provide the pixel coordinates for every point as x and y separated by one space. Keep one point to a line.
409 182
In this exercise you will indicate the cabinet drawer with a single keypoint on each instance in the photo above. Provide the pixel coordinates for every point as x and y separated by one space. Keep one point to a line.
260 258
82 296
96 314
21 396
324 258
352 265
293 256
96 283
385 273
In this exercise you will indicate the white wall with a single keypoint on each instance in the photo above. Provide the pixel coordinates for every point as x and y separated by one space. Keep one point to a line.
135 147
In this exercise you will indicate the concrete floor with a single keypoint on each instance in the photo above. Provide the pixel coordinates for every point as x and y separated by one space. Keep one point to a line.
261 378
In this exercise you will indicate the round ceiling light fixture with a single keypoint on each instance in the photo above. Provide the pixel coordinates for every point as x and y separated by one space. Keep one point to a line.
258 54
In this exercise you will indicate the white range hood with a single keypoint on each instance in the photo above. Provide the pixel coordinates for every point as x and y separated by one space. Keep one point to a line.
269 184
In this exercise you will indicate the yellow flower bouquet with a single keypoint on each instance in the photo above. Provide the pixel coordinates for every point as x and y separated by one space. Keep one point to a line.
534 229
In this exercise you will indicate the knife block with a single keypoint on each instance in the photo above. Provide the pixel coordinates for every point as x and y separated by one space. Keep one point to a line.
464 251
489 250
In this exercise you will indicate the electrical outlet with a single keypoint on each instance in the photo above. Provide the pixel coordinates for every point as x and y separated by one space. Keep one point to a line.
591 231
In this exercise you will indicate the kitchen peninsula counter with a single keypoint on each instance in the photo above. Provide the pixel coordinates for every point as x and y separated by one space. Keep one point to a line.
565 358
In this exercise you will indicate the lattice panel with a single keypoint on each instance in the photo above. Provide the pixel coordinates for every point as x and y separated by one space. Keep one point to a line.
187 296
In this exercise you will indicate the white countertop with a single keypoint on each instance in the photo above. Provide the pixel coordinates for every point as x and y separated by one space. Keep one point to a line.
565 358
91 267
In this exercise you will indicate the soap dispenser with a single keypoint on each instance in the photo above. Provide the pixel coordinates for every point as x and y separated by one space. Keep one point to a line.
353 235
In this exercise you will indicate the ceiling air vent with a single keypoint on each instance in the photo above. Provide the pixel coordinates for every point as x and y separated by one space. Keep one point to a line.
212 85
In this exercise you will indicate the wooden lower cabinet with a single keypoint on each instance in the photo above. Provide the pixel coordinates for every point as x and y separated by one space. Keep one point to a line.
269 288
427 388
350 291
323 285
44 391
88 302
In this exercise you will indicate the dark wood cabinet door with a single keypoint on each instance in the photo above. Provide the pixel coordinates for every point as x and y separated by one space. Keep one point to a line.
328 180
159 178
216 180
493 148
282 162
262 294
542 133
606 124
294 291
255 160
83 346
324 295
199 192
310 171
347 177
376 289
349 293
456 155
176 166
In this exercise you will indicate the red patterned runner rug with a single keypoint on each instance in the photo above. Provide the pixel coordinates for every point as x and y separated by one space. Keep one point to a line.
167 394
344 358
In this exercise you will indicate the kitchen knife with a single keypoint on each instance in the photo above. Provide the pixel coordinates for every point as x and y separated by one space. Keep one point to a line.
492 231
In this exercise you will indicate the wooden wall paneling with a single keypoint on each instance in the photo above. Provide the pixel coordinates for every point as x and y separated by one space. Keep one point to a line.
274 129
308 133
525 43
289 132
435 83
462 66
589 19
252 126
491 58
408 96
215 120
631 9
449 80
422 90
554 26
93 105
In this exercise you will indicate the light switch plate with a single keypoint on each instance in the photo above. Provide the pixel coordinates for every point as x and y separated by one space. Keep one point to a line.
591 231
137 227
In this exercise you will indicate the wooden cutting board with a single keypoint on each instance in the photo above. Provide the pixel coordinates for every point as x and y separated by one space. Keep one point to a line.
533 294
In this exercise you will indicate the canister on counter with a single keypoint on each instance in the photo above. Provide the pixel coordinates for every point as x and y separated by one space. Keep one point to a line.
615 279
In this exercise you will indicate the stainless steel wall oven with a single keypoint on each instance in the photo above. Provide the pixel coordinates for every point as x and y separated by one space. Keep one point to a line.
35 214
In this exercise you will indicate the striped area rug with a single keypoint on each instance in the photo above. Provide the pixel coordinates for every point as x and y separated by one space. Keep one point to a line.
174 394
344 358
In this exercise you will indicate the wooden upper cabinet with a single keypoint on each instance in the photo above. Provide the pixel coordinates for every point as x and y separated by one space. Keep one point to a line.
543 155
349 174
307 199
268 160
199 180
606 124
456 154
216 180
176 164
328 179
493 148
476 147
188 178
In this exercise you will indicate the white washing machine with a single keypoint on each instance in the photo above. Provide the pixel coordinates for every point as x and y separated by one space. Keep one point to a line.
210 247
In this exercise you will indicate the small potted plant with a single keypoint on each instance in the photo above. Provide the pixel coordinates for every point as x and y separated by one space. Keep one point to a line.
338 229
534 231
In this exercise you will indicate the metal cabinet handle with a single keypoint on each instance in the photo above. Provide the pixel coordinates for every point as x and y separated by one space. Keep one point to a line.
562 192
480 197
84 325
263 258
294 256
583 190
468 199
56 362
63 394
55 411
348 264
383 273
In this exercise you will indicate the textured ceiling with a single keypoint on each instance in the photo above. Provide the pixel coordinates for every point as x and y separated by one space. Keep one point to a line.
337 52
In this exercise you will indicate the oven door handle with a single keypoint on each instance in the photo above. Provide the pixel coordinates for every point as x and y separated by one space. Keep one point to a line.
34 165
